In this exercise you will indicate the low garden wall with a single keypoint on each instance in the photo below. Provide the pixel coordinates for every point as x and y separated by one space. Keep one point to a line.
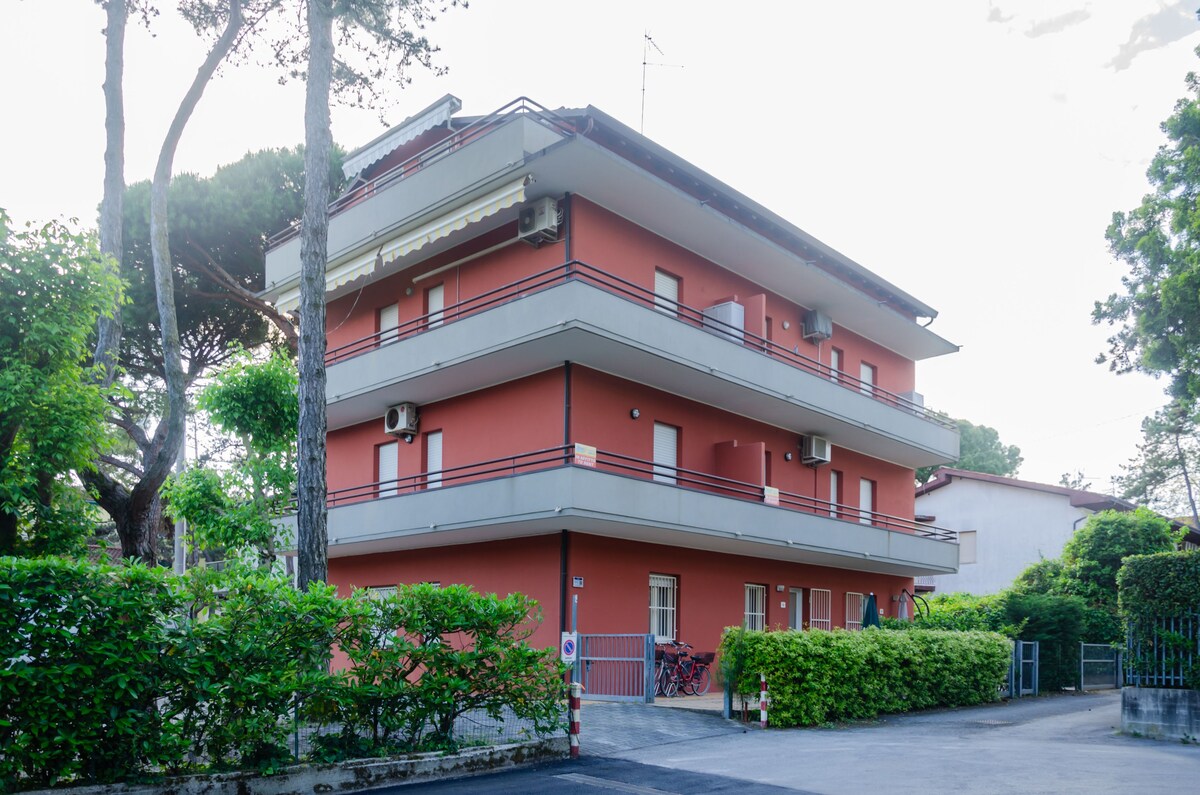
1160 712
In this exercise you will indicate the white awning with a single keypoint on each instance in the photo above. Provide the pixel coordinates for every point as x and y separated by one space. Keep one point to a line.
406 243
436 114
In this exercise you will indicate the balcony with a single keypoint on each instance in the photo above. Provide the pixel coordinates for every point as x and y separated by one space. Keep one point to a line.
613 495
580 313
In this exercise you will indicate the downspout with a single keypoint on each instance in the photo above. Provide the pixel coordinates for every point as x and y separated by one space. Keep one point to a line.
565 546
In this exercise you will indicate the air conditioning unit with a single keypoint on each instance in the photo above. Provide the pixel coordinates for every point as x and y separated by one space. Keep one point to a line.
815 450
400 419
538 220
817 326
727 319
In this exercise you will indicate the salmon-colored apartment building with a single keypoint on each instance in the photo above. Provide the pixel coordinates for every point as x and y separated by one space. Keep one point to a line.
566 362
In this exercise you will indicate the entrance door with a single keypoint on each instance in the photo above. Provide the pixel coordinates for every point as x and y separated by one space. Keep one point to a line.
795 608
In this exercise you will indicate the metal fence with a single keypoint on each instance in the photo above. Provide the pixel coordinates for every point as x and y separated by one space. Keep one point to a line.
1099 666
1163 652
1023 669
617 667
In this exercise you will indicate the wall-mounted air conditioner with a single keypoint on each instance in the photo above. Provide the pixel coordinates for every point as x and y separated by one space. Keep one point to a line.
727 319
816 450
400 419
538 220
817 326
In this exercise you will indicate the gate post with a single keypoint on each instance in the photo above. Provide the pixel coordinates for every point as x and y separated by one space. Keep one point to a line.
648 668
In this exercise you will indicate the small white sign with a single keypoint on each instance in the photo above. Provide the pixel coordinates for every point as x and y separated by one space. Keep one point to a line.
577 582
569 648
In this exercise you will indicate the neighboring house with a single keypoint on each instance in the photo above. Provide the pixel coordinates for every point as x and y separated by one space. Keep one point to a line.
564 361
1004 524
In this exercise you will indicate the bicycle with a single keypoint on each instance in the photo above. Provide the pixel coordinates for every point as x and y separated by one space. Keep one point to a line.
681 671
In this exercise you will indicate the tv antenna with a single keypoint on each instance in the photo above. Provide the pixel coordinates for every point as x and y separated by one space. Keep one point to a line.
647 43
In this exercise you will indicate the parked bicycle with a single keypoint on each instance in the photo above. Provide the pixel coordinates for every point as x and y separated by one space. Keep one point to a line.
679 671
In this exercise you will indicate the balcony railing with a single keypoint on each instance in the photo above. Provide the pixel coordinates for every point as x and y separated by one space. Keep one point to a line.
619 464
577 270
456 140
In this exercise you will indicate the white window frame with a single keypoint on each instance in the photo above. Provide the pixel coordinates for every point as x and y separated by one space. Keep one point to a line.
664 598
795 608
435 303
835 363
866 500
834 477
434 452
820 608
755 616
867 374
855 604
387 464
389 323
666 453
666 292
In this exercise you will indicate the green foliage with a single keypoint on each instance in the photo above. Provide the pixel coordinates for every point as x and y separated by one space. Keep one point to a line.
1163 473
967 612
1163 585
980 450
1045 576
815 676
236 510
1157 317
53 286
116 673
1093 556
83 673
420 658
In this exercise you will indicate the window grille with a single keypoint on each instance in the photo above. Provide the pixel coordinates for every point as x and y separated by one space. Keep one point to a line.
663 592
756 607
820 603
854 610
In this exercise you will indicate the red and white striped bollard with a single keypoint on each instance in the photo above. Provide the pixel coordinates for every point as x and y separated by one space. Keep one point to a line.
576 690
762 701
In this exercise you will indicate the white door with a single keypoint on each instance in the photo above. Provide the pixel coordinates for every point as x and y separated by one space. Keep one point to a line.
386 458
389 321
834 488
433 460
866 500
795 608
866 377
435 302
666 293
835 363
666 452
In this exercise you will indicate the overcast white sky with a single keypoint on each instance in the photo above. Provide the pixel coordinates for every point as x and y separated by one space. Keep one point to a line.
971 152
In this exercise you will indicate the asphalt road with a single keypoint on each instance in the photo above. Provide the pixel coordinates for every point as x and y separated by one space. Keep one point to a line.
1061 744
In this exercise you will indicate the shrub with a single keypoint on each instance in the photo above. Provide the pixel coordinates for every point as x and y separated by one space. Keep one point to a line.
1160 586
1057 623
817 676
81 672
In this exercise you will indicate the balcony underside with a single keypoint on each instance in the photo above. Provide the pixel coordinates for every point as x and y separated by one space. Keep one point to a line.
587 501
594 328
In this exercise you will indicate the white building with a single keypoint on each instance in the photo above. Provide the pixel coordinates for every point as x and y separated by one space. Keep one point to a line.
1003 524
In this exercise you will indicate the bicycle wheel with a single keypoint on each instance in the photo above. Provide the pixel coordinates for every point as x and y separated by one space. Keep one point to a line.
670 685
660 678
700 682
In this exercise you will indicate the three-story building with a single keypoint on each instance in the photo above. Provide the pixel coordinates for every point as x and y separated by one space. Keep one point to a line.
566 362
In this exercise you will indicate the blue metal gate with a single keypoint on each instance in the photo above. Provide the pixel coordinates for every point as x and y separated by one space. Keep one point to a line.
1023 669
616 667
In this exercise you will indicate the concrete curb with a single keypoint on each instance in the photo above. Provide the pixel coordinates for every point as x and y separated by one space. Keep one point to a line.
344 777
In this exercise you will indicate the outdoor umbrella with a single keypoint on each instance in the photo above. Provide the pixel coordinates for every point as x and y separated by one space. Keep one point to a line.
902 613
870 613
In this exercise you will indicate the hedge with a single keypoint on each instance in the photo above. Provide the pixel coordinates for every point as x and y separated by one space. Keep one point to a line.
1165 585
816 677
116 673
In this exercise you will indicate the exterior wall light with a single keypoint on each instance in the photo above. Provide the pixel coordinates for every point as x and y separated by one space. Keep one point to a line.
634 413
408 438
787 456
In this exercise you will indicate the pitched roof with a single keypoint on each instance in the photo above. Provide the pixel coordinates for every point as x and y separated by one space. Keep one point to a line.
1079 498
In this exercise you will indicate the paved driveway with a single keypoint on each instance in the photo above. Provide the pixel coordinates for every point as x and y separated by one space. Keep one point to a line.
1061 744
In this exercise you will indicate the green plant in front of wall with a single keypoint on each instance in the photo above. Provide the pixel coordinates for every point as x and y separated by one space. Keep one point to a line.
815 677
1159 596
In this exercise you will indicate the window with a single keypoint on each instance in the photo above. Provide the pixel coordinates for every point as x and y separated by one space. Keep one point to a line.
835 363
820 605
756 607
854 610
966 547
433 460
666 452
380 592
389 322
666 292
663 591
866 500
795 608
866 378
835 492
386 456
435 302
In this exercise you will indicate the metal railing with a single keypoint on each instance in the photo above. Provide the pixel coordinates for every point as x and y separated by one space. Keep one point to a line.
1099 666
619 464
481 127
577 270
1164 652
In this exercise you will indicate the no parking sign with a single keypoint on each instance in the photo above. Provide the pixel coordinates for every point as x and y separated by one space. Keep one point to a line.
569 647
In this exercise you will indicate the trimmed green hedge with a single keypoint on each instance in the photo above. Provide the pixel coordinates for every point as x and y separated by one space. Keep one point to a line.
815 677
1165 585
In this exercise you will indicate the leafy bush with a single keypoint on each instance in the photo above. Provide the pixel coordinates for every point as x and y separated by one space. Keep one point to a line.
817 676
81 674
1164 585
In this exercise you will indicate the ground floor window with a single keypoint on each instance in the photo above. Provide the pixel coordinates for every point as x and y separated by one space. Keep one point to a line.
663 592
820 603
854 610
756 607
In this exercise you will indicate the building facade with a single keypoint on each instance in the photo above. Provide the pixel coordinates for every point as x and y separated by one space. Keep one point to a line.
564 361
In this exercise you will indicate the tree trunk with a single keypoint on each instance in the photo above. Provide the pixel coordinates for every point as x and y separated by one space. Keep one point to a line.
1187 480
108 329
312 532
